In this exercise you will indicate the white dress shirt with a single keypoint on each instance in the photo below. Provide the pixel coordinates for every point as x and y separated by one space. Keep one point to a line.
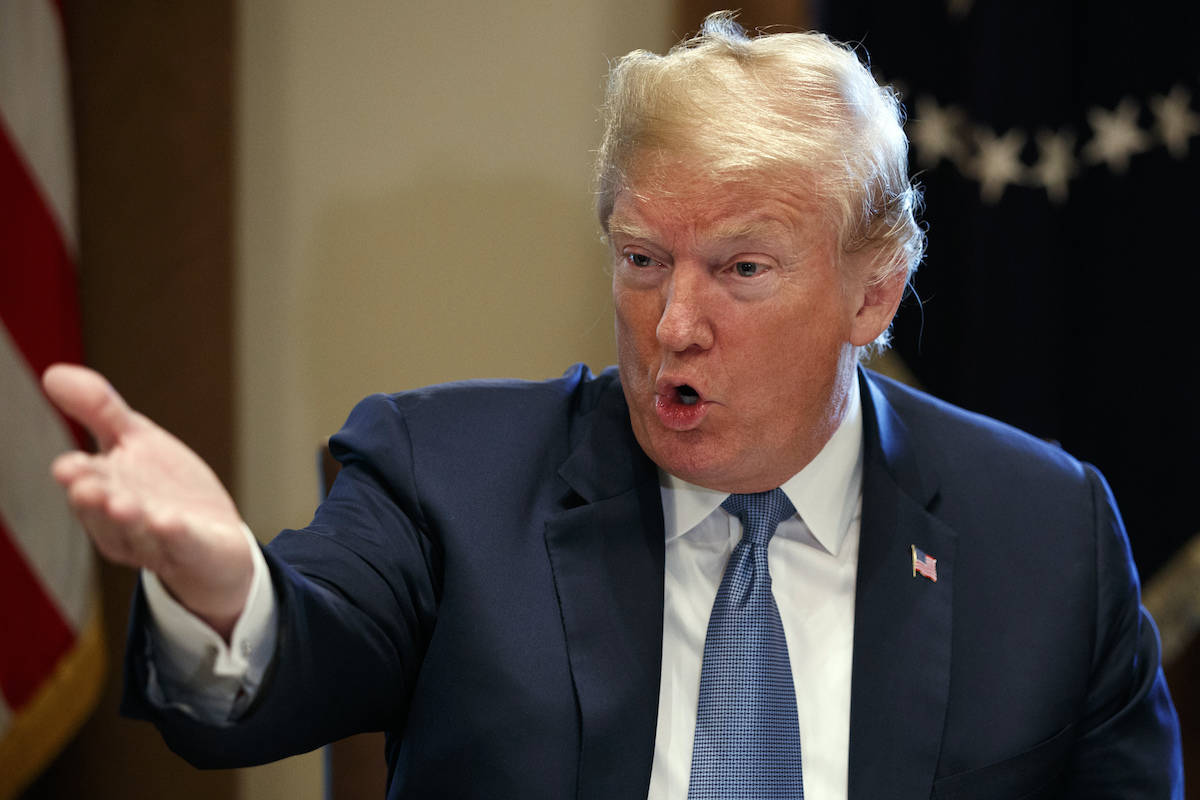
194 669
813 559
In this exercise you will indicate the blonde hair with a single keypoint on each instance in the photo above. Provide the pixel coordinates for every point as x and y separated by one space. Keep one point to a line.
786 107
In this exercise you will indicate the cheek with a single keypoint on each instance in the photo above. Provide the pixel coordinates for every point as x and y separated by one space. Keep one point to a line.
826 315
630 356
621 320
636 317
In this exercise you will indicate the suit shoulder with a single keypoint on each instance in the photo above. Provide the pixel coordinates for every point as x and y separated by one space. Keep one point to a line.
477 413
576 387
967 441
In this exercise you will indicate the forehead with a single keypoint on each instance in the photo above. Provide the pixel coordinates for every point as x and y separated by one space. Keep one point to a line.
746 208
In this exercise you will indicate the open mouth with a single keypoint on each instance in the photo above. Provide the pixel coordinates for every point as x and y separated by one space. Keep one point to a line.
680 406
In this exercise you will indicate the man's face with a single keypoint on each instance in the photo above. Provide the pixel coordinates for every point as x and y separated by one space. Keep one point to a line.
736 330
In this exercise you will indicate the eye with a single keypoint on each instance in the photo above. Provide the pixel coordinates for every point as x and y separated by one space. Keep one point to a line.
747 269
640 260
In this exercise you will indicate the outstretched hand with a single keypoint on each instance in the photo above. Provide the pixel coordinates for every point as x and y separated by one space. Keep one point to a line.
147 500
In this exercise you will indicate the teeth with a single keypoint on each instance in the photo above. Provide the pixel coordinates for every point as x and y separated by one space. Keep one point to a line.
688 396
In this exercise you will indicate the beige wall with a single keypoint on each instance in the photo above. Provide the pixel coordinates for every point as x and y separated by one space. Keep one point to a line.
412 206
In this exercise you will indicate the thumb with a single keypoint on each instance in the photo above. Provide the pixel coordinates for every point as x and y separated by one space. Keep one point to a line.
85 396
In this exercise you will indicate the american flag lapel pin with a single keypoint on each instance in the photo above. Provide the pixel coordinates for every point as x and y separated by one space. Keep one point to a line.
924 564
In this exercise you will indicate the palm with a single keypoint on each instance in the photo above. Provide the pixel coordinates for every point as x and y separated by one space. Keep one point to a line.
161 473
148 501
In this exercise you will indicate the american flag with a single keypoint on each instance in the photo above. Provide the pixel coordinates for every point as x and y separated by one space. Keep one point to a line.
924 564
51 649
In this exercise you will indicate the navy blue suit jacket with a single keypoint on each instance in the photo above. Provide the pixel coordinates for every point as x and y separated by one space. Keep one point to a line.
485 583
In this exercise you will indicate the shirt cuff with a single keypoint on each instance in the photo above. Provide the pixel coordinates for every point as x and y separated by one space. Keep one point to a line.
194 668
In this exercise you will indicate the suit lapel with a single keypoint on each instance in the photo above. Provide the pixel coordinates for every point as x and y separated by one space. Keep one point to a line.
606 554
902 627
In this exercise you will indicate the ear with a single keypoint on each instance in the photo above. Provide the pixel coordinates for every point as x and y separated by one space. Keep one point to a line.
877 304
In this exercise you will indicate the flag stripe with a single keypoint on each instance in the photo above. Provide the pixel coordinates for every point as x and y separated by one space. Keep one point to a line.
39 304
51 659
46 723
37 635
40 524
33 102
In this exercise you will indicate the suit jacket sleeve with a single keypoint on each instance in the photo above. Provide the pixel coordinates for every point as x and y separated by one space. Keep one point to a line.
355 609
1129 743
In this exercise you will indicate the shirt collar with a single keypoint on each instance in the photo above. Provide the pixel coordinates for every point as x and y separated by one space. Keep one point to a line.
825 493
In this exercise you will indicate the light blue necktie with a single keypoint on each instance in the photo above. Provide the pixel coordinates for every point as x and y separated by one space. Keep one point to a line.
747 741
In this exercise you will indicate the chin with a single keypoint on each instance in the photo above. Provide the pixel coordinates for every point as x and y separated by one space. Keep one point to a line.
688 457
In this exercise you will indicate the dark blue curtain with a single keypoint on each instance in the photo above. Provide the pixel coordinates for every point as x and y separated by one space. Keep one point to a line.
1057 144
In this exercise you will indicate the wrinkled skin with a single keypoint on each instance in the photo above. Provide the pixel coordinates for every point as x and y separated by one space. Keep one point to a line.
734 289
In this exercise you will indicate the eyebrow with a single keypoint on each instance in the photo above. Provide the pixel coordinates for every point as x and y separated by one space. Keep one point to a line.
628 228
725 231
749 229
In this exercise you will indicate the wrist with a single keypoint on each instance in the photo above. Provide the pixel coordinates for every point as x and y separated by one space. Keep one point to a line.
216 589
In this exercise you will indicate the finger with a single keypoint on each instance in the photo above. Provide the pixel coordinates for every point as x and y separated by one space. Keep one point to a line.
124 508
117 522
71 466
88 493
85 396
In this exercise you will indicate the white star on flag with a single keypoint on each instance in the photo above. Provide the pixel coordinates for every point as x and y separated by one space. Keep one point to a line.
1116 136
1056 163
935 133
1175 121
998 162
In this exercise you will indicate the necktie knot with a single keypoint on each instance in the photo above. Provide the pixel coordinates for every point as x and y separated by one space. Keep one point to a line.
760 513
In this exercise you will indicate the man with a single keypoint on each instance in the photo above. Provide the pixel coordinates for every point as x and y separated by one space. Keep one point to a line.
544 590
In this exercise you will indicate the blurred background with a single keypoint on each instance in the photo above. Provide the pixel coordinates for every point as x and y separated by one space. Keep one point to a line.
265 210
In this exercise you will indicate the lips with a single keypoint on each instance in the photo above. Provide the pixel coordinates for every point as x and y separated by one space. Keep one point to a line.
680 406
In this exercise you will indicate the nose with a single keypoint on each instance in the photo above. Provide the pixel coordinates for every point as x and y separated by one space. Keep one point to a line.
686 321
